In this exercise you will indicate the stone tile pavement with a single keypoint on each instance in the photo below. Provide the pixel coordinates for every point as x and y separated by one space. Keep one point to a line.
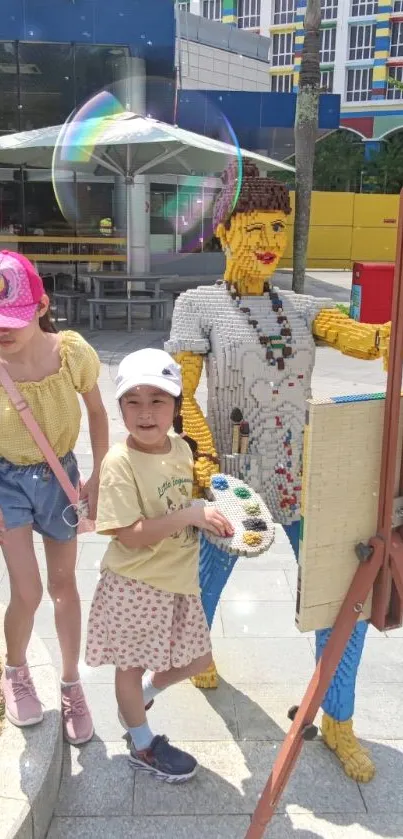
235 731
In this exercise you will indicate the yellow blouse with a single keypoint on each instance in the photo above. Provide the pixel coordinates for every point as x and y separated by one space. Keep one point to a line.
53 402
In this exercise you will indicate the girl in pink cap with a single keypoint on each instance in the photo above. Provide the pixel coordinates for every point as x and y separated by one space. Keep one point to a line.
49 370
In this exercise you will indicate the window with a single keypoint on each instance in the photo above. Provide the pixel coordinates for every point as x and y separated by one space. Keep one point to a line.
9 113
362 42
284 11
359 85
361 8
396 42
282 84
327 45
329 9
398 6
393 92
249 14
212 9
283 49
47 94
184 6
326 81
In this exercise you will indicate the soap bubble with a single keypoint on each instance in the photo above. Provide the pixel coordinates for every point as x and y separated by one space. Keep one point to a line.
91 178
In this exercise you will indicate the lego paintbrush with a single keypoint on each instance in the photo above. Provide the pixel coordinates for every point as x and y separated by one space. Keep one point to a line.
236 419
244 437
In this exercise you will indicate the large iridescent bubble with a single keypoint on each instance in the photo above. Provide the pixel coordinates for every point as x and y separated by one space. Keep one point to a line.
76 147
90 179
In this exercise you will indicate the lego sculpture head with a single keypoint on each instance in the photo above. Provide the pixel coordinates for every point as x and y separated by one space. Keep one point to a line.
253 232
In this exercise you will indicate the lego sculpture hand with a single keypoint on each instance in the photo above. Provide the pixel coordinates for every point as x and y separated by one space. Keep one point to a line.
384 341
360 340
195 423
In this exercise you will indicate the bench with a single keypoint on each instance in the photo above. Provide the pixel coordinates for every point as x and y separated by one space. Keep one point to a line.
158 306
70 302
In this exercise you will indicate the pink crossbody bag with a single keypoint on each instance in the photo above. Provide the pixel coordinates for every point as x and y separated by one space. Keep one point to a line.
85 525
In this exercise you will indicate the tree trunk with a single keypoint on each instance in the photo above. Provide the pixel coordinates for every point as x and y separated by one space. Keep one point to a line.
305 131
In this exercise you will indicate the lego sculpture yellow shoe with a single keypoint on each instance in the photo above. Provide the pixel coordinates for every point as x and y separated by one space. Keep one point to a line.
208 679
340 738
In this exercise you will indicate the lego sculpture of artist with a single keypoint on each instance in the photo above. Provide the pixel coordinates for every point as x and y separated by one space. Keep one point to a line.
259 349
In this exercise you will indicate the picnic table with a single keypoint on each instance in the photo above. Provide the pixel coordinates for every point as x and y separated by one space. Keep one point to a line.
147 283
147 288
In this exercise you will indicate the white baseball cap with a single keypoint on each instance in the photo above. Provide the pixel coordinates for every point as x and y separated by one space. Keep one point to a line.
152 367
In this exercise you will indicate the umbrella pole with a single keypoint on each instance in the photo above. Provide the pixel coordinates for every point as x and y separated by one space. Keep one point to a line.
138 224
128 229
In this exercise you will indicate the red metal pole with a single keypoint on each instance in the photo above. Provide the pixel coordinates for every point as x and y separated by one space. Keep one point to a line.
382 617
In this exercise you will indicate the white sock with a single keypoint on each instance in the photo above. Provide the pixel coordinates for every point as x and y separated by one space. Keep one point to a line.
142 736
69 684
149 691
10 669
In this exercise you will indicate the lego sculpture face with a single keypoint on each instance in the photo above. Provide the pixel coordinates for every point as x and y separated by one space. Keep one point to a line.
254 243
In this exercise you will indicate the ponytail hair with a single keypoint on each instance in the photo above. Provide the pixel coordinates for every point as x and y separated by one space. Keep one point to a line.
47 323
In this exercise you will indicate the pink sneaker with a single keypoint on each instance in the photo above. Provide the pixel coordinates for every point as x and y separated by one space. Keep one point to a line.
22 704
77 722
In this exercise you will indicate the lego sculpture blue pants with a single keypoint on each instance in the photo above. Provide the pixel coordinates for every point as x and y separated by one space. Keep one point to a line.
215 569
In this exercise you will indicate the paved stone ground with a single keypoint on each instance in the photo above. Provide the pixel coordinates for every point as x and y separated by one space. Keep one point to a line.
235 732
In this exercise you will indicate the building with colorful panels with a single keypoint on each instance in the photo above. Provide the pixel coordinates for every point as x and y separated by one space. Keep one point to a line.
361 52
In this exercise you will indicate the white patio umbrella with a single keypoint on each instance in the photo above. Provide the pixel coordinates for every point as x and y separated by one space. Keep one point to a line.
127 145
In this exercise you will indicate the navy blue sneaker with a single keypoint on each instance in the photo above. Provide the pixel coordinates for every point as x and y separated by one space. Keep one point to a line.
164 761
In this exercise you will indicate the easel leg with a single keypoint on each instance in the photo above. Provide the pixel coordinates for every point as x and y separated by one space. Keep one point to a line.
346 620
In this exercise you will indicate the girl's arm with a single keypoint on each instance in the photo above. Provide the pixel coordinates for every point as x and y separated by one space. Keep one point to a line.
145 532
98 427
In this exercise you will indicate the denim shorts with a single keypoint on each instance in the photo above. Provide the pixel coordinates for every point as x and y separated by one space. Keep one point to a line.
33 495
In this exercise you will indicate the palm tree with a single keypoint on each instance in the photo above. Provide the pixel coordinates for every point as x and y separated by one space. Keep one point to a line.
305 131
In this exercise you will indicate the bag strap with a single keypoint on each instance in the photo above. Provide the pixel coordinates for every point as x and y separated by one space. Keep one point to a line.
38 435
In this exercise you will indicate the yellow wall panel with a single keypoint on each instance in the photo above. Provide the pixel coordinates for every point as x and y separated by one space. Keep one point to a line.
375 211
329 243
346 228
373 244
332 208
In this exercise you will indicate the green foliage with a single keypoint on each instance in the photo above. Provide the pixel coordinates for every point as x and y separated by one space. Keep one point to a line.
340 164
386 168
339 159
395 83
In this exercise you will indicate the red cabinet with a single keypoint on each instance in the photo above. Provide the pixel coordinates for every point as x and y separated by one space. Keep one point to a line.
371 292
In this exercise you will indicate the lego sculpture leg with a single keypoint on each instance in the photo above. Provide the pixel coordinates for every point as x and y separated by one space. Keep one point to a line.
215 569
338 705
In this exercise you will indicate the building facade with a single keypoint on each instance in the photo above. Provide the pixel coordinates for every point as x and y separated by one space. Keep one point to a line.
361 52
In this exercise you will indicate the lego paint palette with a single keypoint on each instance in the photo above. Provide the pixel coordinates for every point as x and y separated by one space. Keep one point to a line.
248 514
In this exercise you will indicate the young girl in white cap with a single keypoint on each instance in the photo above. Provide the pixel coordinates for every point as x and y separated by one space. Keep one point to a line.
49 370
147 614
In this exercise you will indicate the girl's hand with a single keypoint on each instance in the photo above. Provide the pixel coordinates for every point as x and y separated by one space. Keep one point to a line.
89 493
209 518
2 529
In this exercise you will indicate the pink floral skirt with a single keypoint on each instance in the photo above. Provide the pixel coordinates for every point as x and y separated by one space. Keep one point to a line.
132 624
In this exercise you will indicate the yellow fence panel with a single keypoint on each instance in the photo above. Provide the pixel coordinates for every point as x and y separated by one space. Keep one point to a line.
348 227
376 211
373 244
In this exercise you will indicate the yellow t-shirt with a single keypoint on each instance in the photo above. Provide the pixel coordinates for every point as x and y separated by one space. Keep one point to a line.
53 402
135 485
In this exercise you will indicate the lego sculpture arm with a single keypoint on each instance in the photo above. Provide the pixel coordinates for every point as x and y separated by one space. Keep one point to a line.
361 340
188 343
194 421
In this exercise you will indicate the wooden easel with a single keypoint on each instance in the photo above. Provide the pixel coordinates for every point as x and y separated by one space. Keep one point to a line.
380 567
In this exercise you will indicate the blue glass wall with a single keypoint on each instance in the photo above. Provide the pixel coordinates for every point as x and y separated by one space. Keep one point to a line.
146 26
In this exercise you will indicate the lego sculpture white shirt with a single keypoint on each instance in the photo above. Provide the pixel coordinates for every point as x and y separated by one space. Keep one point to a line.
233 333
